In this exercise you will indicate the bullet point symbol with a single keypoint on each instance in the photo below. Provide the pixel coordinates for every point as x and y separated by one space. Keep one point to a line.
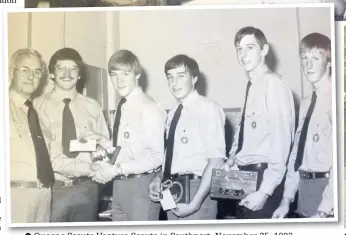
28 234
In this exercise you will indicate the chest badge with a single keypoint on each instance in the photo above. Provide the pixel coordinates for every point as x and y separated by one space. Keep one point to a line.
253 125
126 135
316 137
184 140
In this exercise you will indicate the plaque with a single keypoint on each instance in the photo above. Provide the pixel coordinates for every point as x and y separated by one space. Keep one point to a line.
232 184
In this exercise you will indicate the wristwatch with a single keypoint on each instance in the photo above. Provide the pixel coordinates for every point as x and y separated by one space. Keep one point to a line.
322 214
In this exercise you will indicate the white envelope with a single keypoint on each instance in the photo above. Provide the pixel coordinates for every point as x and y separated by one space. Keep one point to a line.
167 201
76 146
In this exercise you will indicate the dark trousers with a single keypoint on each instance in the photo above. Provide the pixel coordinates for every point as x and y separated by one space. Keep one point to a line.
78 203
310 194
269 207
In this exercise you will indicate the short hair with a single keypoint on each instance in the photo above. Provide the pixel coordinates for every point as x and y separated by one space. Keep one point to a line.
25 52
124 58
69 54
66 54
316 41
249 30
183 60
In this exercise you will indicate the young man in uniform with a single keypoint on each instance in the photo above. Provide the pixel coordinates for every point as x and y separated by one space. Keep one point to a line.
311 160
31 172
265 133
138 130
195 141
75 195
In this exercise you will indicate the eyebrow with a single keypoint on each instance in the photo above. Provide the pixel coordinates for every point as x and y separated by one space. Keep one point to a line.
26 67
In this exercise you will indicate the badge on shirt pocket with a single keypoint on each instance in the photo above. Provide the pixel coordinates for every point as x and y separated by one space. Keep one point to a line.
184 139
126 135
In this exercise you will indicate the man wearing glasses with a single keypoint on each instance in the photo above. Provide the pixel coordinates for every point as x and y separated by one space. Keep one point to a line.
31 171
75 195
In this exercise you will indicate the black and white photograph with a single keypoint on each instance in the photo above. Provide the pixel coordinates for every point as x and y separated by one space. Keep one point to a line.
169 116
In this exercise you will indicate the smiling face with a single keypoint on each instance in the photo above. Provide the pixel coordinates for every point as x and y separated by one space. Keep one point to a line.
181 82
249 53
66 74
315 65
27 75
124 80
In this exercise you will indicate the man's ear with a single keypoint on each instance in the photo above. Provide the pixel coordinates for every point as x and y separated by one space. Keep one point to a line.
265 50
52 76
194 80
138 76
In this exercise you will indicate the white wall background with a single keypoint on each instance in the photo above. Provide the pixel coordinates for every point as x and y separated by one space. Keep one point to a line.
207 36
156 36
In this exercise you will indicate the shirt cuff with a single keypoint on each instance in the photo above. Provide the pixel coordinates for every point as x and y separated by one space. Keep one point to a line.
267 188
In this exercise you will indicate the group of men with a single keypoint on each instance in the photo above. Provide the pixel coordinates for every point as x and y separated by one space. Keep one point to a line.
49 183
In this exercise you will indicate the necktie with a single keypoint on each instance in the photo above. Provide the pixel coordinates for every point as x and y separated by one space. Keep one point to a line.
117 121
304 132
241 131
44 166
170 142
68 129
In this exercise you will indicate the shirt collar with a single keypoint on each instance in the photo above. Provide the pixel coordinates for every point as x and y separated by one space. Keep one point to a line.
59 97
260 74
137 91
191 98
324 88
17 99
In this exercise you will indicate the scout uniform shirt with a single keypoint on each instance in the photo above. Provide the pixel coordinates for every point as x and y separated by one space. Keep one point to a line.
22 151
87 115
318 151
268 128
199 135
140 134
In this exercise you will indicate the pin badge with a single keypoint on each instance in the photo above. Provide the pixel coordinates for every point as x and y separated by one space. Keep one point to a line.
253 124
316 137
39 137
184 140
126 135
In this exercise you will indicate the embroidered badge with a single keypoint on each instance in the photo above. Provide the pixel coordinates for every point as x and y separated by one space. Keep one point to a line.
126 135
316 137
184 140
253 124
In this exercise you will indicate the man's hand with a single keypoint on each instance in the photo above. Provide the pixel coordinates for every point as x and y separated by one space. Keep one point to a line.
254 201
282 210
184 209
155 189
228 164
103 172
319 214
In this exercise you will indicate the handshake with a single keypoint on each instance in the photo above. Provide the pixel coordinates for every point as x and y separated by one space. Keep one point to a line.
103 170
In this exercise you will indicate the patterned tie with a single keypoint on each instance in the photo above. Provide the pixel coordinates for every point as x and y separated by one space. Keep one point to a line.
304 132
117 121
68 129
241 131
44 166
170 143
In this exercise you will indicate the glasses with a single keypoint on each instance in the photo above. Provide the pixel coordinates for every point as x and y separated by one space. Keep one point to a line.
63 69
37 73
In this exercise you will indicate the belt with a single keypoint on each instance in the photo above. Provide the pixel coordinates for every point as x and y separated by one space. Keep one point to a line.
26 184
313 175
70 182
191 176
253 167
133 176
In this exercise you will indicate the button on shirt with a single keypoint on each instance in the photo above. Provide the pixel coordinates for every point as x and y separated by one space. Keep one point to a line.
268 129
318 151
22 151
141 133
199 135
87 115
